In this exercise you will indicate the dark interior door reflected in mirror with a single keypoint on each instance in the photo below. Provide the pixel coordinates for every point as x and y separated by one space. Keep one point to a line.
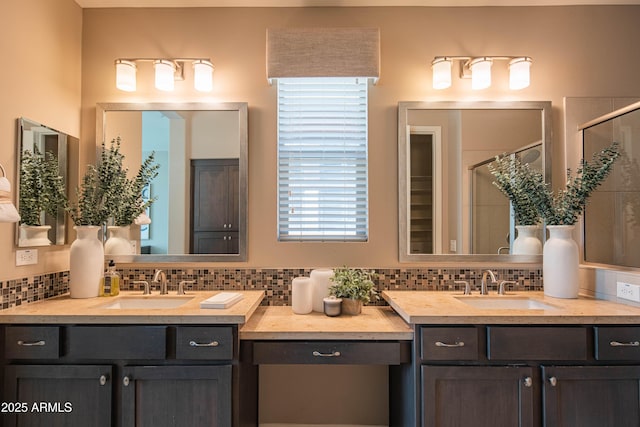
200 193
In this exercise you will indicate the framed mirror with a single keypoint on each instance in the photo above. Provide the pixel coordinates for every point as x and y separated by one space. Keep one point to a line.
43 167
611 221
448 208
201 191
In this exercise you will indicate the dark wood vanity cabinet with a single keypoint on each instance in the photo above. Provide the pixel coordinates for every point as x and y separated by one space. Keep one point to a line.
556 376
129 375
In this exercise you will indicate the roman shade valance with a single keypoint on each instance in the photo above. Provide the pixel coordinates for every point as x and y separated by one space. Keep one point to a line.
323 52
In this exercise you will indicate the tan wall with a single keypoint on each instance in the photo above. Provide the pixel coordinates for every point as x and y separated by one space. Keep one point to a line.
40 41
577 51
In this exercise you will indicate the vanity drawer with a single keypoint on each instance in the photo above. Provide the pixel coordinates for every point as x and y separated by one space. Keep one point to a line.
617 342
449 343
204 342
332 352
537 343
32 342
117 342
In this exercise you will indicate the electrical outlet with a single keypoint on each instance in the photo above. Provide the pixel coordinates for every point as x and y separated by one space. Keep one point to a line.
453 245
26 257
628 291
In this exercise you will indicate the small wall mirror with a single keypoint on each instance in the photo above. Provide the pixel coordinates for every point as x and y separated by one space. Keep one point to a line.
611 222
42 145
200 212
448 206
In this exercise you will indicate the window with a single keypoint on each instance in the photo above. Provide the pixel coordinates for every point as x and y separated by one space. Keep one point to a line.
322 159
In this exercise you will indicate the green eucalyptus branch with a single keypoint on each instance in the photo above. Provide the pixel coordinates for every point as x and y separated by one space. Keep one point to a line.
510 178
42 188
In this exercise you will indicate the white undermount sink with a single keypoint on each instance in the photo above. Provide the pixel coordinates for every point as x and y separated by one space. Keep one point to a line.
146 302
504 303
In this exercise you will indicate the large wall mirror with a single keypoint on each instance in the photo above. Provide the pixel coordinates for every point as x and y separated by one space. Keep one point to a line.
42 162
201 191
449 210
611 221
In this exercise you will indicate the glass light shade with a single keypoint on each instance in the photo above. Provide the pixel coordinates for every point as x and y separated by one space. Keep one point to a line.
203 75
125 75
164 74
441 68
480 73
519 75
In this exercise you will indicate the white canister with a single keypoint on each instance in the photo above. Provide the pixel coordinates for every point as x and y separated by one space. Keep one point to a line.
301 295
321 279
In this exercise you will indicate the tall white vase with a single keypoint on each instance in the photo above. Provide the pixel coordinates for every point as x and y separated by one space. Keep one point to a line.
560 266
321 282
86 262
527 242
119 241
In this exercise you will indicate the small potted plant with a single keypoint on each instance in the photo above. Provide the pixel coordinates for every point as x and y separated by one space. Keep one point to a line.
355 286
42 191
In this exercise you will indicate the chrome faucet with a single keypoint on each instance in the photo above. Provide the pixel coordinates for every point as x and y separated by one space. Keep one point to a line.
161 277
483 283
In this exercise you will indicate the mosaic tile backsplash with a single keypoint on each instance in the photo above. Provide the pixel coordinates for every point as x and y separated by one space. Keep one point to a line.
276 282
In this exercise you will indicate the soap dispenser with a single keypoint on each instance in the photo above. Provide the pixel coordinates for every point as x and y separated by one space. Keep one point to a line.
110 283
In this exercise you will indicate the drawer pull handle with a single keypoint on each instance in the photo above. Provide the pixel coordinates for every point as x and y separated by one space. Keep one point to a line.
553 381
444 344
126 381
103 379
528 382
31 343
624 344
332 354
204 344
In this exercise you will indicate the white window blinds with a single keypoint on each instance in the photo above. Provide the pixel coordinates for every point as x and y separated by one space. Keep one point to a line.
322 159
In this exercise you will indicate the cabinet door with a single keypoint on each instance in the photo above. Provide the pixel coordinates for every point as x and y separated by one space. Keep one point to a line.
591 396
158 396
57 395
477 396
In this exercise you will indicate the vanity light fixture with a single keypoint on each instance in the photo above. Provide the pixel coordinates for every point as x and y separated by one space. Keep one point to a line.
479 70
167 71
8 212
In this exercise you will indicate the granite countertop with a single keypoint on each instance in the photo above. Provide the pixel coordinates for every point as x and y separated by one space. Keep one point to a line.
64 309
281 323
437 307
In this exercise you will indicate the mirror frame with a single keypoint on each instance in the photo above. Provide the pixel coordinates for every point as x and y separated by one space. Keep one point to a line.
65 140
404 109
242 109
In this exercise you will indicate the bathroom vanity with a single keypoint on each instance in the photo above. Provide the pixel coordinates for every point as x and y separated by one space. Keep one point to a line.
558 363
452 360
76 363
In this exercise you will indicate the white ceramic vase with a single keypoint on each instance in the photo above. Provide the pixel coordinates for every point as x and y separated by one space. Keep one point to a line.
86 262
302 295
321 281
34 235
119 241
527 242
560 268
